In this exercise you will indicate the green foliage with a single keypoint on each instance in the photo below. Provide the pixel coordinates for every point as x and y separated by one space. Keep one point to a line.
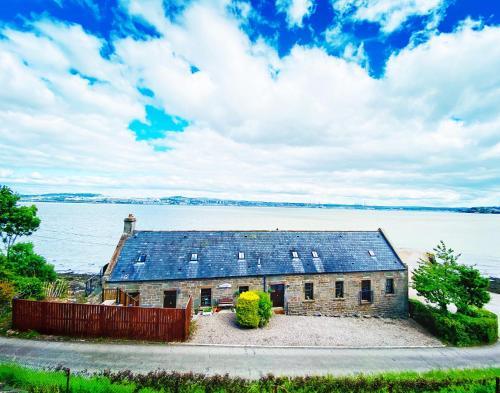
457 329
7 292
25 262
434 279
29 288
471 289
15 221
441 280
247 309
254 309
479 380
265 308
20 265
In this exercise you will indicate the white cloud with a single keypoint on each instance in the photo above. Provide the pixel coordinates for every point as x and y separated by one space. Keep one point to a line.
390 14
306 127
295 10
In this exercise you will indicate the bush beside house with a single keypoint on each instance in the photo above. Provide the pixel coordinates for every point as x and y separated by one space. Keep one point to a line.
442 281
253 309
265 308
457 329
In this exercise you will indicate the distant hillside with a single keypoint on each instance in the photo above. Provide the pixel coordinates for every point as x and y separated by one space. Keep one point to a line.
180 200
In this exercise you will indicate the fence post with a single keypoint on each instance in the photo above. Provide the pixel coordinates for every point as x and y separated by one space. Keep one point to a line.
390 388
43 321
68 373
14 313
497 381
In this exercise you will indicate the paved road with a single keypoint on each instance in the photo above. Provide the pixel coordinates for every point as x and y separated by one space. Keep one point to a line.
249 362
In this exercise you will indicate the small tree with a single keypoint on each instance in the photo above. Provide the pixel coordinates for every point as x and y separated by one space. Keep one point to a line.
435 277
15 221
472 289
25 262
440 279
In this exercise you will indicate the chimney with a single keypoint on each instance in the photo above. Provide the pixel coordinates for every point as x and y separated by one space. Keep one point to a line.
129 224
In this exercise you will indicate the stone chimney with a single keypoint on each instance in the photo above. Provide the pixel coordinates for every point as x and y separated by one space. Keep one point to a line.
129 225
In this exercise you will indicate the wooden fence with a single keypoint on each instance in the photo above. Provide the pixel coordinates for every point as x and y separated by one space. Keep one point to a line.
89 320
120 297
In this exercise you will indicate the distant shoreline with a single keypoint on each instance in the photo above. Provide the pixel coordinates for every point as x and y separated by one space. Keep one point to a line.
185 201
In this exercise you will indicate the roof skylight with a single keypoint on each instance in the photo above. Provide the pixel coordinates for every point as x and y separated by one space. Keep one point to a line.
142 258
295 254
194 257
241 255
314 254
372 254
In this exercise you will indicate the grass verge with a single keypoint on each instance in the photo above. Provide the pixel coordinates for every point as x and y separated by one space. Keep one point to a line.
39 381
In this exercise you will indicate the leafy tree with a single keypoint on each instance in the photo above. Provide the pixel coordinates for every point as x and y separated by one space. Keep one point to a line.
472 289
15 221
26 263
20 265
440 279
435 277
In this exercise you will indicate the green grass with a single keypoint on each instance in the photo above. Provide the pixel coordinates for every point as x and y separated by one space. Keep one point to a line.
474 380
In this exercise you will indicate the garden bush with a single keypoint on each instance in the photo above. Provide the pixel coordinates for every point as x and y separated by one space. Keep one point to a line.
7 292
247 309
265 308
457 329
29 288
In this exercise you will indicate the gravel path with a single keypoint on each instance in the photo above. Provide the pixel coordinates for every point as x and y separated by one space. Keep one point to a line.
284 330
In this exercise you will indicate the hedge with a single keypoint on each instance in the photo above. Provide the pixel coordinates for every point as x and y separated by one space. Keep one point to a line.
247 309
472 380
457 329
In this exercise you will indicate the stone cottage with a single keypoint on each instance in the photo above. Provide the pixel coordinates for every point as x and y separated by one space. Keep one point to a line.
307 272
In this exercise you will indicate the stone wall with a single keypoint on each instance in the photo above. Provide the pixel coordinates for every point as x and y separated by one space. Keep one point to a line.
324 302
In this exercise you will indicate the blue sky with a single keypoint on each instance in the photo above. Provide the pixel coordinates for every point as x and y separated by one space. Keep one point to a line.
365 101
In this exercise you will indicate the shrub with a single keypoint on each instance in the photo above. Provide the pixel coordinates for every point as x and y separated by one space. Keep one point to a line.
457 329
265 308
29 288
24 262
247 309
480 328
7 292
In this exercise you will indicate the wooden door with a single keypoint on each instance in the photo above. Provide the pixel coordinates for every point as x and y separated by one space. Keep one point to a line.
278 295
206 297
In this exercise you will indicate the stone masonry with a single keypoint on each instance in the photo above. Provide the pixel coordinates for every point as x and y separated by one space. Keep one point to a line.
324 301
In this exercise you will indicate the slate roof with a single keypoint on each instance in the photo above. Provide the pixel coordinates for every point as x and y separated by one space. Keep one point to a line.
168 254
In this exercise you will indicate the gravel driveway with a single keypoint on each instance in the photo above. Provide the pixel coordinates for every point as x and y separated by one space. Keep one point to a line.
284 330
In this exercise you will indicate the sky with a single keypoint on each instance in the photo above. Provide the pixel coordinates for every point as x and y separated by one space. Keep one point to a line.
389 102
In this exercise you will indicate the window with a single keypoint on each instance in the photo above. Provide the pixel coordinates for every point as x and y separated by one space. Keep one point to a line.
366 292
194 257
309 291
339 289
170 299
295 254
241 255
206 297
315 254
243 288
372 254
132 299
389 285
